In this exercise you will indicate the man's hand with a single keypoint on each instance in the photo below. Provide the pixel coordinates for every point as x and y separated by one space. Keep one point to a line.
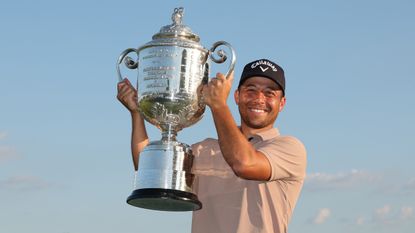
216 92
127 95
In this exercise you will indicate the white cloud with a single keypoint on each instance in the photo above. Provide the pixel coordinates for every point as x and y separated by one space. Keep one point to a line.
360 221
3 135
378 183
23 183
7 153
383 212
407 212
324 181
322 216
387 215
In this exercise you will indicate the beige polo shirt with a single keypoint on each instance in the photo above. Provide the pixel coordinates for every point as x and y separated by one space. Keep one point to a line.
232 204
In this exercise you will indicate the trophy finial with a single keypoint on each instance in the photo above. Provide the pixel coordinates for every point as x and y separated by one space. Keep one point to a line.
177 30
177 15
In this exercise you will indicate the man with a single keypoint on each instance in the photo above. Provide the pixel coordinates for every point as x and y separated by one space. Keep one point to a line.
249 179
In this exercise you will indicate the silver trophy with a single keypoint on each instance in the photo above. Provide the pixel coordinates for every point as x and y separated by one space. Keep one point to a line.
171 68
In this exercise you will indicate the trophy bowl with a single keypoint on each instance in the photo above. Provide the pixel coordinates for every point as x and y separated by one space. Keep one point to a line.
171 69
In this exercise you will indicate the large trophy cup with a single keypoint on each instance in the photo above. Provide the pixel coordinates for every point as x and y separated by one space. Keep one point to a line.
171 68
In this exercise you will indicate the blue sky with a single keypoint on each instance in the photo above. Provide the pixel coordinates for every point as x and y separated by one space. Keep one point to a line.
65 164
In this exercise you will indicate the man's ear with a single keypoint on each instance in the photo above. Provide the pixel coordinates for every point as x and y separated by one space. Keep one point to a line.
283 101
236 96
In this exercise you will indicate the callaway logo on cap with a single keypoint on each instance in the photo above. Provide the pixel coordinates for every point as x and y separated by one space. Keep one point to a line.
264 68
264 65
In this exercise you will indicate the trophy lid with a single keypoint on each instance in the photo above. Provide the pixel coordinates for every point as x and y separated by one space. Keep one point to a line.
177 29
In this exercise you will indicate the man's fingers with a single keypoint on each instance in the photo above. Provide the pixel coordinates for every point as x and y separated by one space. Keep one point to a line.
125 85
129 83
213 81
203 89
124 82
230 76
220 76
120 85
128 92
122 88
125 92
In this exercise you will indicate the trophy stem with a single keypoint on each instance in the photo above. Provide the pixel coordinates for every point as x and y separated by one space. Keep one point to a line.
169 134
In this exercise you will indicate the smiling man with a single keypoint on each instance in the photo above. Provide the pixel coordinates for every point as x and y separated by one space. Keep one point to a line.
248 179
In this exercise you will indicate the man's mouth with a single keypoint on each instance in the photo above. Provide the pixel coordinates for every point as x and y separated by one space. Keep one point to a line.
257 110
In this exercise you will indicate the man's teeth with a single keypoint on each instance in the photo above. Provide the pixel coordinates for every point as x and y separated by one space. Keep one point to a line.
257 110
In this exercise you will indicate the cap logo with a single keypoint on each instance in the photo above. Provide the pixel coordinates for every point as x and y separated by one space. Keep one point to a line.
263 70
265 63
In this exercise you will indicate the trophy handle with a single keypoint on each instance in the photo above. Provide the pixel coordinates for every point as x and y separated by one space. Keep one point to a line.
128 61
222 55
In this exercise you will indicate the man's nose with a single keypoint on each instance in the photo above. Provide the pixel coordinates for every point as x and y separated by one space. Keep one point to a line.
260 96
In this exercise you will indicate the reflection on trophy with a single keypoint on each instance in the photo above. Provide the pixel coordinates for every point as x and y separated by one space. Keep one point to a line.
171 69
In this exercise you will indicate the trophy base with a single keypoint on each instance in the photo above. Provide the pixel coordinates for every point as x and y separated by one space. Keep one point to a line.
164 199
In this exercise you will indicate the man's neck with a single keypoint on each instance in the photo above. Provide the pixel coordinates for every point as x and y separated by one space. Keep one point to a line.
249 132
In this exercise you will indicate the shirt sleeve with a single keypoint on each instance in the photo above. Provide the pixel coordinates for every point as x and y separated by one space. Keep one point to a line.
287 157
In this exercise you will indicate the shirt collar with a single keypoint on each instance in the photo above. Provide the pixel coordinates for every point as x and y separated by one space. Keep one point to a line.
265 135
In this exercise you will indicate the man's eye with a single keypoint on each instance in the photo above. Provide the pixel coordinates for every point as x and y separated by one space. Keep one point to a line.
270 93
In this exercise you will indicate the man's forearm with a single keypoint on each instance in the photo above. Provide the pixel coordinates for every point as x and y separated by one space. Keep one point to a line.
139 138
236 149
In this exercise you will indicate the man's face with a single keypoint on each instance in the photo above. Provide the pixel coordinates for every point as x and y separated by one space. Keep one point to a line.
259 100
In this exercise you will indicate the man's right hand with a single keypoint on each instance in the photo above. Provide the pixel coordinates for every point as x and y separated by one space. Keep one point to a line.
127 95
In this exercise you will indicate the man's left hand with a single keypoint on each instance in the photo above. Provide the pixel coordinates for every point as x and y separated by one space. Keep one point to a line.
215 93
